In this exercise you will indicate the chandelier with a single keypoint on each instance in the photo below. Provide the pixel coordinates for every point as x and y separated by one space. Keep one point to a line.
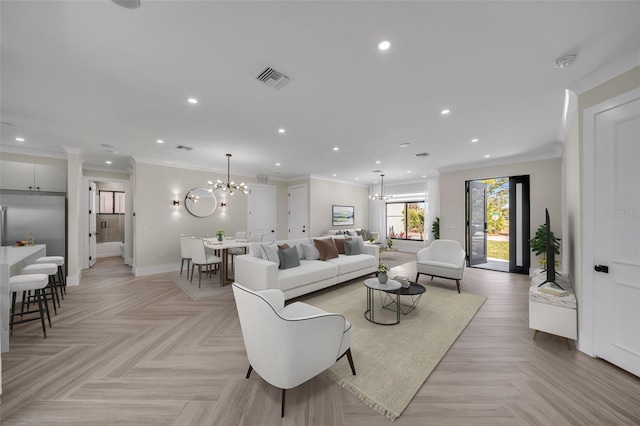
227 186
381 196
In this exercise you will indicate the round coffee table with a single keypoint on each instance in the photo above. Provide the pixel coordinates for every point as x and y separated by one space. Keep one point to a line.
373 284
414 290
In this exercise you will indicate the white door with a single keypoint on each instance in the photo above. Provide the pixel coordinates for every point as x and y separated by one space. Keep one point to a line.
617 236
298 212
93 194
261 209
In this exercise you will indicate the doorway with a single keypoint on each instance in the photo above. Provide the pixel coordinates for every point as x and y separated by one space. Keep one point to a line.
497 225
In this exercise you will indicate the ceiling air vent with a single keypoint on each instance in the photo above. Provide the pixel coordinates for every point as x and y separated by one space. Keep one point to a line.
262 179
184 148
272 78
422 155
377 171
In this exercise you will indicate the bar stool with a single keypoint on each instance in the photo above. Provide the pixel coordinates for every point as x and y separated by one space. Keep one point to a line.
24 283
58 260
50 269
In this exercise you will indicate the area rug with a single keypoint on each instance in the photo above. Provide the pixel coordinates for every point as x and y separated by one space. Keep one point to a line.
209 288
392 362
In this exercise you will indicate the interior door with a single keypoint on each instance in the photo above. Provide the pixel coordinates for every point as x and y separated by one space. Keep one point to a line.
298 212
617 236
476 222
93 194
261 211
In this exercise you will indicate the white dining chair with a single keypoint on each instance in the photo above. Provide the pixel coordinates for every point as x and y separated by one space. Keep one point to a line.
185 252
200 258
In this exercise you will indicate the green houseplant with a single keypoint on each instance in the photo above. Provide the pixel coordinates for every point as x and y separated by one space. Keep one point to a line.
382 273
220 234
435 228
539 245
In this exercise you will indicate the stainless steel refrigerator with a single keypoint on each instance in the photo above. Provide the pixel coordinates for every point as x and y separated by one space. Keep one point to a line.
41 214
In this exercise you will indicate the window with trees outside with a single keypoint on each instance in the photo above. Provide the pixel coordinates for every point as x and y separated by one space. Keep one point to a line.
405 220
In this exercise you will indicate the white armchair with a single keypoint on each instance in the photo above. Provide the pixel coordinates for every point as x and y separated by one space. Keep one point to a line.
288 345
444 259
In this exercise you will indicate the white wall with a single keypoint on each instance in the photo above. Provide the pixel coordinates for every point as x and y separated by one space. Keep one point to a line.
323 194
545 192
158 223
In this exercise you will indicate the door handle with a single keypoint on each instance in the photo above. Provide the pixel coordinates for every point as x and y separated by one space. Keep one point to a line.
601 268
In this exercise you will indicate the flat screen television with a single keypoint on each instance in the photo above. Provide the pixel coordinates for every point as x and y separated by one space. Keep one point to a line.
551 254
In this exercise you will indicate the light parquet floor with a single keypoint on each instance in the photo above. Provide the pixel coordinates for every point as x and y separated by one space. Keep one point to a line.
138 351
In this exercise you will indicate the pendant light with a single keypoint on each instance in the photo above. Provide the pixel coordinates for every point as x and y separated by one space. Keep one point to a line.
228 186
381 196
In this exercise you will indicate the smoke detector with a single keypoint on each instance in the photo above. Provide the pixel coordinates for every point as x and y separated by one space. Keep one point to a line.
564 61
272 78
129 4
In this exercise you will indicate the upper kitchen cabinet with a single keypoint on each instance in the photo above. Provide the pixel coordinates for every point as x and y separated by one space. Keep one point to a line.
33 177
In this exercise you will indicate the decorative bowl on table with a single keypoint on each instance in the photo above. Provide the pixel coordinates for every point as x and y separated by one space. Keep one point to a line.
404 281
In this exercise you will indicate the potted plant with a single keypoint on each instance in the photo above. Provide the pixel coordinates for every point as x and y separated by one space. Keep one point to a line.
371 240
389 242
382 273
539 245
220 234
435 228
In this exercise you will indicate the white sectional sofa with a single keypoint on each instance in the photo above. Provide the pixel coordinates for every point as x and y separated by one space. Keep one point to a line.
257 273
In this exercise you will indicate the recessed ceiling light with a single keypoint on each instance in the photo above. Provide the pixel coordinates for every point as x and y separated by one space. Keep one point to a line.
281 130
335 148
357 178
445 111
192 101
405 145
377 161
20 139
335 174
384 45
424 176
108 162
278 164
375 181
487 156
160 141
408 171
474 140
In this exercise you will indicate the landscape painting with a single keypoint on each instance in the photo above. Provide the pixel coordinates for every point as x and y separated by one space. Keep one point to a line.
342 215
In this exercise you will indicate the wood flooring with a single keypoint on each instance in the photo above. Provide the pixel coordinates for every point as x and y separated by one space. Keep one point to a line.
138 351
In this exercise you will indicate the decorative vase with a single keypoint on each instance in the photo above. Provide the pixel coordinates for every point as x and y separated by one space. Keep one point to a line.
382 277
220 237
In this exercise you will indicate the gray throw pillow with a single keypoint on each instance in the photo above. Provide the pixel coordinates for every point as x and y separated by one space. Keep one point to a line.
365 234
288 258
352 247
270 253
310 252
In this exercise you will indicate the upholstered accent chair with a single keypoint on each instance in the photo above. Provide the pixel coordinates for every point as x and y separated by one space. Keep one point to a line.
288 345
444 259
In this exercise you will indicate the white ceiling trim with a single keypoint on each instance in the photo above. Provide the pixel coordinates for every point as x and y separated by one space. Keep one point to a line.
34 152
606 73
553 151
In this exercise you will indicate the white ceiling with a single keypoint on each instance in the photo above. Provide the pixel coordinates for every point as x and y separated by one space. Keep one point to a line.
82 74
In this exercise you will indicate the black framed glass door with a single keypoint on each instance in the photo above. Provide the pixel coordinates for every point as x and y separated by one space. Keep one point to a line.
476 222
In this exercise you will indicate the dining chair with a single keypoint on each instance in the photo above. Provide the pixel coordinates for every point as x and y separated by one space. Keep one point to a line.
240 235
200 258
185 252
255 237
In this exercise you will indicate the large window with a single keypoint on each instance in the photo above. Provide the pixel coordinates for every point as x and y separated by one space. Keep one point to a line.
405 220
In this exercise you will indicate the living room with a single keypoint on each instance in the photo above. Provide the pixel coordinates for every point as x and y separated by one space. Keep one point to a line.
102 100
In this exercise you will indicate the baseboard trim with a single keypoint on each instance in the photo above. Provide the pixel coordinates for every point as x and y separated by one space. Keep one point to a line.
74 279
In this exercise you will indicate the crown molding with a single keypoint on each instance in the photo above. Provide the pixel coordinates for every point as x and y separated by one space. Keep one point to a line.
606 73
362 185
33 152
553 150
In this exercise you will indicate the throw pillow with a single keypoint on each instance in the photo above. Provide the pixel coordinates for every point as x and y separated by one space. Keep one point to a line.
365 234
288 258
360 244
352 248
359 232
283 246
310 252
339 242
327 248
270 253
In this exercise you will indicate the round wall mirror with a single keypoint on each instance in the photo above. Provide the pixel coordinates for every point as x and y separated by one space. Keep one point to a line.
200 202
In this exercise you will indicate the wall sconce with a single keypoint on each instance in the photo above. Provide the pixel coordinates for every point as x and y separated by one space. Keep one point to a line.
223 204
176 202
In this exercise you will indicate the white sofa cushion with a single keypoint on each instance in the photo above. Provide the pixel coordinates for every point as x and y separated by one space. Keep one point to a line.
308 272
347 264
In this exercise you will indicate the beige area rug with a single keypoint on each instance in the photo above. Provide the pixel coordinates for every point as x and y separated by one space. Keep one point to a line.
210 287
392 362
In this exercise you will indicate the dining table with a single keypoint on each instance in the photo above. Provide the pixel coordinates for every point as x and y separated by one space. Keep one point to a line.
223 248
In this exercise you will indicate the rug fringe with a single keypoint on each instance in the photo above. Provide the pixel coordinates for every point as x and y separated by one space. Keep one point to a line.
362 397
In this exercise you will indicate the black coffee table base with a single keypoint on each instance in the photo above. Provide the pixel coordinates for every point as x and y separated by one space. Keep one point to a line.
392 298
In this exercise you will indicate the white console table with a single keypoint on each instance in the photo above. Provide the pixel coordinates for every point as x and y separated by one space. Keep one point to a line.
553 314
